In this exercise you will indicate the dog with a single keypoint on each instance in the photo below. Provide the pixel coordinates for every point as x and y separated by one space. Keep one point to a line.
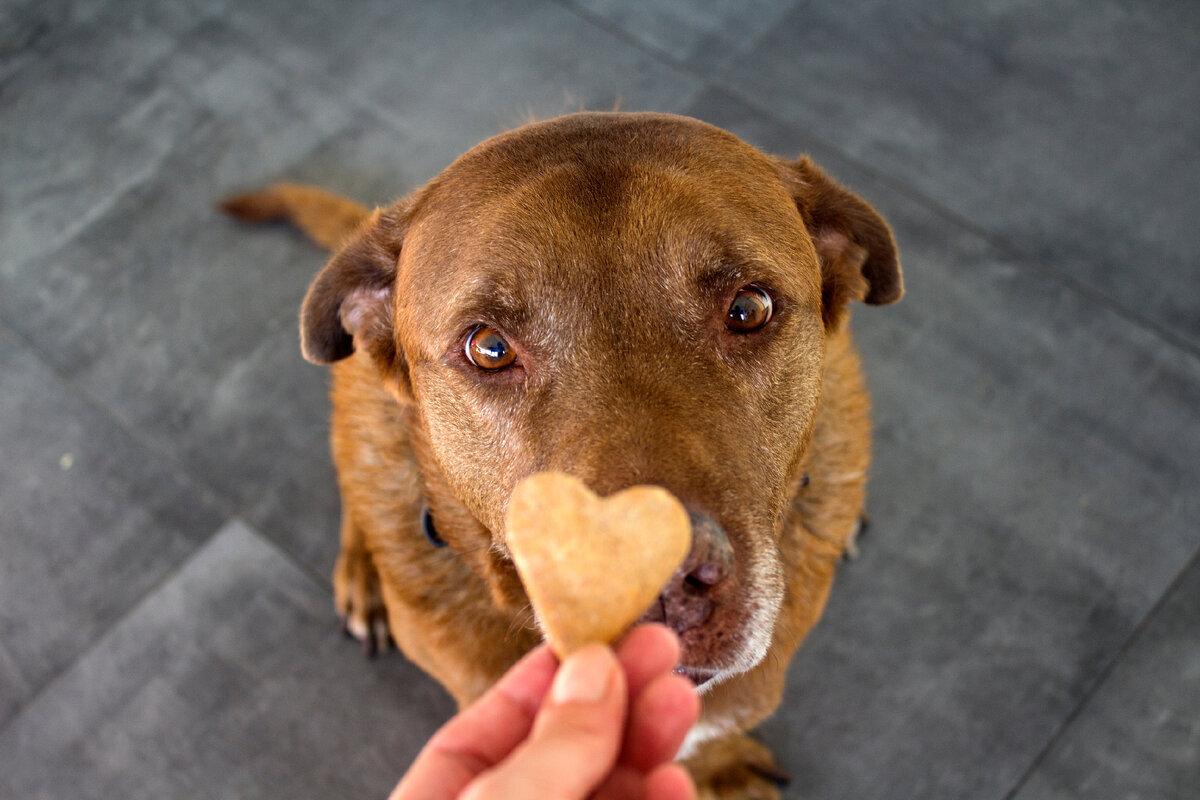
630 298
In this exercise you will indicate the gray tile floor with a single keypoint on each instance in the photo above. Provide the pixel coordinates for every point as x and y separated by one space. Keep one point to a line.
1025 619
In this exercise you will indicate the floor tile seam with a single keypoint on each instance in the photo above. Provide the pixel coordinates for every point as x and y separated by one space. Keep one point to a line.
781 16
59 675
98 210
95 213
1097 685
243 512
1026 261
612 29
703 77
363 102
322 582
358 102
349 98
222 508
171 575
354 101
207 493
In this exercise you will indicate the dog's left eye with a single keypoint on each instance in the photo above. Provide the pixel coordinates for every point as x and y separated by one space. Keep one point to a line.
488 350
749 311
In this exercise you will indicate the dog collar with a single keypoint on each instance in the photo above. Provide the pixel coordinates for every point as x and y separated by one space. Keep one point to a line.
429 530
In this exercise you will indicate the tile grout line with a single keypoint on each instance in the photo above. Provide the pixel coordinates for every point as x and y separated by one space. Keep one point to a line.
228 511
658 53
108 630
97 211
8 330
1101 680
745 47
612 29
152 590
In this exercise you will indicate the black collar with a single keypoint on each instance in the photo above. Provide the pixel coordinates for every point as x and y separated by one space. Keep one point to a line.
427 527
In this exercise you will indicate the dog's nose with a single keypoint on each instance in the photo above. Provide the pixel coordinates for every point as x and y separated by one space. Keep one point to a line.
688 599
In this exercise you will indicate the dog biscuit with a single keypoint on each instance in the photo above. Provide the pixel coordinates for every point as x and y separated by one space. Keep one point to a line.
591 566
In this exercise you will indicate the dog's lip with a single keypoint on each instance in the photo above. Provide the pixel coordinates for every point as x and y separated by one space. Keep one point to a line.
697 675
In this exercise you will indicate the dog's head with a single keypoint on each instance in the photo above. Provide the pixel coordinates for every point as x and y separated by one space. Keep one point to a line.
629 298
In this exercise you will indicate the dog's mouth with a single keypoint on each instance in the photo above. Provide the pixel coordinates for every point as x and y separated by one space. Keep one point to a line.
699 676
721 604
728 638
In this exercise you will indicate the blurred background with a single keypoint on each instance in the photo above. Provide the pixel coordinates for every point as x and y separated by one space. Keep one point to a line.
1025 618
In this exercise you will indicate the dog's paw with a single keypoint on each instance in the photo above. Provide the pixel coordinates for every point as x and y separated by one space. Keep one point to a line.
736 768
359 601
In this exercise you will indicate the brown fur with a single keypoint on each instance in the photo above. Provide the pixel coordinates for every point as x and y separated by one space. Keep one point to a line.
606 248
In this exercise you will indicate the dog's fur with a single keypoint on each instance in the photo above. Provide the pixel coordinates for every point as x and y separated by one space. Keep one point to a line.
606 248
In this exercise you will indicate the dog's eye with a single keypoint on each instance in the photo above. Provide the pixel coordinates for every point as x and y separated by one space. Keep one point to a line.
488 350
749 311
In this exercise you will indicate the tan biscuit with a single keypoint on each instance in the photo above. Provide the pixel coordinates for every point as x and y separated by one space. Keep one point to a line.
591 566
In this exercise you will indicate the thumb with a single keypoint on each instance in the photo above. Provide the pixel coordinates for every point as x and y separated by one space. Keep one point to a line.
575 739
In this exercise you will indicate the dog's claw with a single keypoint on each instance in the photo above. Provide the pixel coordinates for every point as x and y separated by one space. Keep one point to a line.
381 635
359 602
859 531
771 773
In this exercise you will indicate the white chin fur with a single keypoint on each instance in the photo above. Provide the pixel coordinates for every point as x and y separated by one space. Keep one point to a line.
701 732
765 575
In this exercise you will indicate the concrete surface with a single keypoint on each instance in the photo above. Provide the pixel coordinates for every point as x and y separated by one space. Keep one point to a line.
1024 619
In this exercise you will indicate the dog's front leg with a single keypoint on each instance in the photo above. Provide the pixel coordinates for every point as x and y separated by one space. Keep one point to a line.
356 591
735 767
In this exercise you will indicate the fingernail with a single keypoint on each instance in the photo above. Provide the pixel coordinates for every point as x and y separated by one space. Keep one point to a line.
584 677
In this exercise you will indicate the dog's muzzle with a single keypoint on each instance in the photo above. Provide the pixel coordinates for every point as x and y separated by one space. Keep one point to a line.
694 594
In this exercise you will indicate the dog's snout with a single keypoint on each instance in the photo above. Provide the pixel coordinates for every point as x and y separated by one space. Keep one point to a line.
691 595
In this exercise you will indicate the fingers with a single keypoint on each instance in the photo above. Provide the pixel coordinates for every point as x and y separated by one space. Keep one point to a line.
483 734
647 652
502 745
663 707
659 720
669 782
575 739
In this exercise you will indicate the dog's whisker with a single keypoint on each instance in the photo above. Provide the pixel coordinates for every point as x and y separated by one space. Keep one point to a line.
524 618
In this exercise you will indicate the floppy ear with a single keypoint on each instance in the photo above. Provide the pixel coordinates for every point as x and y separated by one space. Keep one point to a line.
349 305
859 259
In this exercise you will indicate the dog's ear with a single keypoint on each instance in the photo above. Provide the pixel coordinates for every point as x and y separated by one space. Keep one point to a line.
349 305
859 259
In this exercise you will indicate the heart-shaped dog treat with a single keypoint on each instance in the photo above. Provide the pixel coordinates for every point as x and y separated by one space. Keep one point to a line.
591 566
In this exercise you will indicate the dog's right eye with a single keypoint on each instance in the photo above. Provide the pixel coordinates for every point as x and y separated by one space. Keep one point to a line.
488 350
750 310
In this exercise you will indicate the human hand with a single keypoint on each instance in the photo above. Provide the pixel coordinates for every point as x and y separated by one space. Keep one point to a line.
604 725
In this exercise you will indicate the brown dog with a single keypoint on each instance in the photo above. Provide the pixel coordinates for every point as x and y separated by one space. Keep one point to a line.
630 298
